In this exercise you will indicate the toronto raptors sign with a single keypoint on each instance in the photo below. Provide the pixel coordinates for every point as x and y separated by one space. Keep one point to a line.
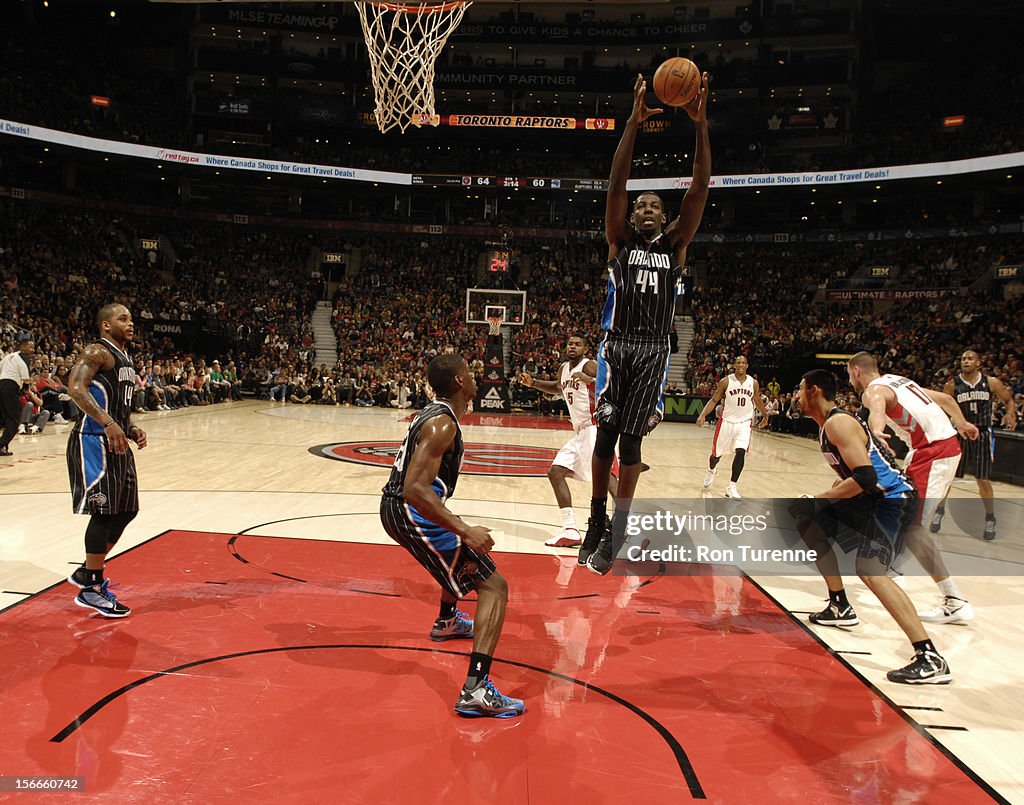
480 459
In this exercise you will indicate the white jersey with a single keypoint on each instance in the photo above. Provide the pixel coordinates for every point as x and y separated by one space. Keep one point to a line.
916 412
739 400
577 395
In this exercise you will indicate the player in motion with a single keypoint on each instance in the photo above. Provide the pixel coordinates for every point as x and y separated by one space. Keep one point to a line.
867 509
931 463
645 269
741 394
101 465
973 392
413 513
575 377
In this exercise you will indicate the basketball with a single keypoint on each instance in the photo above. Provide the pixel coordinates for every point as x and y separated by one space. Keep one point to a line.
677 82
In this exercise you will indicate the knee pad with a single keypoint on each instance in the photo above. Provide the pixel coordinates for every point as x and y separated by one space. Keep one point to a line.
118 523
629 449
604 445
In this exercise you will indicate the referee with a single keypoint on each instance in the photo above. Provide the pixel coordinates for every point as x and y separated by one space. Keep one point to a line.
14 373
974 392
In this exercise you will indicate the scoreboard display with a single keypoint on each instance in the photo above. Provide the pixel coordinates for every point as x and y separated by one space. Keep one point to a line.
509 182
498 261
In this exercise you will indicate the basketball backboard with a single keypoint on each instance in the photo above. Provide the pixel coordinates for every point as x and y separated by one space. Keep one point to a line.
484 302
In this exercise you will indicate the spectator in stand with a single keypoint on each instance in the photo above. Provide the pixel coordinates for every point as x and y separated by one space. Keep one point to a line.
220 388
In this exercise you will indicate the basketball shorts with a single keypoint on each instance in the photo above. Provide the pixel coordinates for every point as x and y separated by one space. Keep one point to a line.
631 376
731 436
101 482
868 528
455 566
931 469
577 455
977 456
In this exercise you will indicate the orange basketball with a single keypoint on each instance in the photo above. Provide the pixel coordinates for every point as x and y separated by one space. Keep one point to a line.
677 82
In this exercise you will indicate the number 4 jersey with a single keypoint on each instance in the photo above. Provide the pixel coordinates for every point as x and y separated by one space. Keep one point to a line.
112 389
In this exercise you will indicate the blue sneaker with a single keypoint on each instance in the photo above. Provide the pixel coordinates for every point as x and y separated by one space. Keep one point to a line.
459 625
103 601
485 700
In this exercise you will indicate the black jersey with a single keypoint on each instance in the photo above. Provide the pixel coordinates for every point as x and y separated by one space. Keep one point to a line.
643 280
112 389
975 400
892 482
451 461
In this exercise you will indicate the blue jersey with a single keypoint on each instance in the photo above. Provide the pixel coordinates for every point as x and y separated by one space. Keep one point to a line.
892 483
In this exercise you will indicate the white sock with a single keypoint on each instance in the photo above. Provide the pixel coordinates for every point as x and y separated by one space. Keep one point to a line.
568 518
948 587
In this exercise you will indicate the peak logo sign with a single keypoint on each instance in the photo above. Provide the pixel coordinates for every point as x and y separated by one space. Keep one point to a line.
480 459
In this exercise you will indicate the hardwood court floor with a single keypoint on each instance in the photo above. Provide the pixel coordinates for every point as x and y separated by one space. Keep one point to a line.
259 469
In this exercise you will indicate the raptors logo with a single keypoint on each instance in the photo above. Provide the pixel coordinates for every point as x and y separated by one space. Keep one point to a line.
480 459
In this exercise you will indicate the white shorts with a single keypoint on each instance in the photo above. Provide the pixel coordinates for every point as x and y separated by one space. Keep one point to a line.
577 453
731 436
932 469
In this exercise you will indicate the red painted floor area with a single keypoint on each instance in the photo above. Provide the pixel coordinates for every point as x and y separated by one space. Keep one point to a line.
256 668
518 420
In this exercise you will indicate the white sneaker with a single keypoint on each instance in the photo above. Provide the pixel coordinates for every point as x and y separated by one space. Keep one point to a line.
709 477
59 420
33 429
21 429
569 538
951 610
732 492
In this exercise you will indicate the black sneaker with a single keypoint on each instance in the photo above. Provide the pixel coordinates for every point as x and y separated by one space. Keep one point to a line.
601 560
936 523
103 601
834 616
928 668
5 451
595 529
990 529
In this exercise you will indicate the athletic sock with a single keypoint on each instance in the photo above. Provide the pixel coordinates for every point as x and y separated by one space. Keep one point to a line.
479 668
447 611
599 508
568 517
949 589
921 646
838 599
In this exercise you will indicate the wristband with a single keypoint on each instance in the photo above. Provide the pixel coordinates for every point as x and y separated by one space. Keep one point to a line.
111 422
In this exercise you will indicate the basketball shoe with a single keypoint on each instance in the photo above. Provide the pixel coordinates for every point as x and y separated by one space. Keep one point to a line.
732 492
569 538
834 616
936 523
951 610
595 530
928 668
601 560
458 625
486 700
990 528
102 600
709 478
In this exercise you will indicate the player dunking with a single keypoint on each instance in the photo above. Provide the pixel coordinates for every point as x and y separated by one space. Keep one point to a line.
100 460
413 513
575 377
973 393
866 510
645 269
931 463
742 395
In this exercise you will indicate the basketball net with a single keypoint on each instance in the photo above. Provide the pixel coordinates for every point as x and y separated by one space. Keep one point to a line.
404 42
495 323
